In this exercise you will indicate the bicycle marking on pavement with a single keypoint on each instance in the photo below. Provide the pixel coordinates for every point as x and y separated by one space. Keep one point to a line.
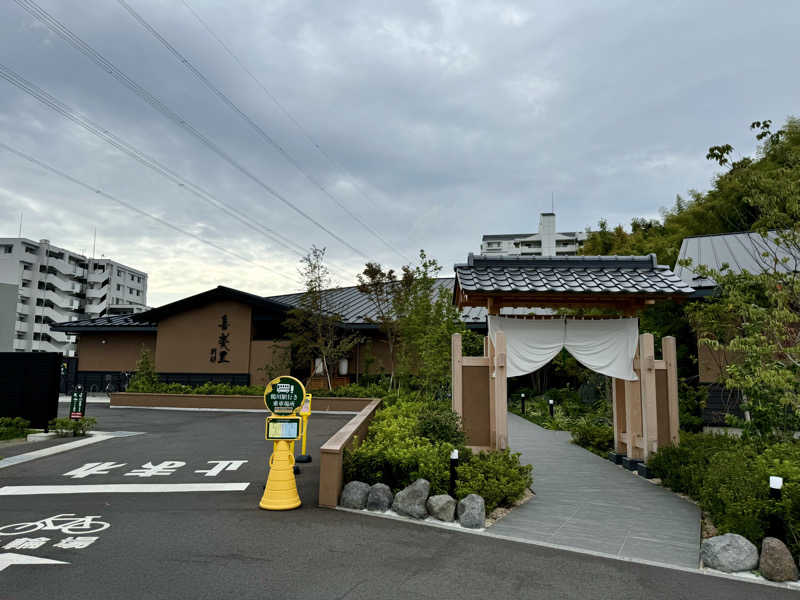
68 524
121 488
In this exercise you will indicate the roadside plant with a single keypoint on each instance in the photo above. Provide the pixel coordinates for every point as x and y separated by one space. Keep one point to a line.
13 427
145 378
65 426
498 477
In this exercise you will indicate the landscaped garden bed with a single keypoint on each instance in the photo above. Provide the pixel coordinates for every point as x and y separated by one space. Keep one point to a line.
404 461
729 478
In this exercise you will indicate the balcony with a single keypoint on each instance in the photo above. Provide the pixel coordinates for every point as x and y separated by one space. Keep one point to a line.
22 345
23 309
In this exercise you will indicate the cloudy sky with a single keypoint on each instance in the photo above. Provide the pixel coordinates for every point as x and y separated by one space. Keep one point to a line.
430 122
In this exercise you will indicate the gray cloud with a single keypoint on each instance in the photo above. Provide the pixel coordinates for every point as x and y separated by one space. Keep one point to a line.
456 119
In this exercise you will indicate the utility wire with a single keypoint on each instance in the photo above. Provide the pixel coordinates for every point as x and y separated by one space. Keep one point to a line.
288 115
62 31
247 119
148 161
135 209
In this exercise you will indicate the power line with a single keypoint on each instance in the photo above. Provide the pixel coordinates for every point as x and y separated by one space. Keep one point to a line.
62 31
148 161
288 114
135 209
247 119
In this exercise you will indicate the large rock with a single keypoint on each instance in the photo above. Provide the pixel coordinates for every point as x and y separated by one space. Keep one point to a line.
472 512
729 553
442 507
354 495
380 497
410 502
776 562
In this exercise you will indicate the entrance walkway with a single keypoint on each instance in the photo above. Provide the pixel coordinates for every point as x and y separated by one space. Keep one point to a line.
587 502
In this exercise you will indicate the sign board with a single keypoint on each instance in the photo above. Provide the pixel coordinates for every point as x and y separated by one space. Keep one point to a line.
283 428
77 405
284 395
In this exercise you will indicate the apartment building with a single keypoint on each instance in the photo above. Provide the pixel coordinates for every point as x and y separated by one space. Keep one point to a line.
42 284
545 242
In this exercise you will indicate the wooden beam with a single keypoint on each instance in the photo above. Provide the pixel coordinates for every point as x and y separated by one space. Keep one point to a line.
457 375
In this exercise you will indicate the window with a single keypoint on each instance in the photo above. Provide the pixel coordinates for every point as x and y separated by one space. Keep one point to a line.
119 273
492 244
119 287
7 248
138 293
130 290
31 250
138 279
27 267
133 278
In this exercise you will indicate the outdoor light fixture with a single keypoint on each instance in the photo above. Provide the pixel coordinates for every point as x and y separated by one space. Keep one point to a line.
453 466
775 487
523 403
551 402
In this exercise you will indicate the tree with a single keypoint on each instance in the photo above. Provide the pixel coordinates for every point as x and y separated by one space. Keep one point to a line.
314 327
382 288
754 318
426 320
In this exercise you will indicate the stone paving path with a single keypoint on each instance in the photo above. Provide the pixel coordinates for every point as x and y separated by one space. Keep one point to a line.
587 502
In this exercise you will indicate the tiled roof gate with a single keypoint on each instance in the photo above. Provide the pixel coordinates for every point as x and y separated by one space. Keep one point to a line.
623 282
645 410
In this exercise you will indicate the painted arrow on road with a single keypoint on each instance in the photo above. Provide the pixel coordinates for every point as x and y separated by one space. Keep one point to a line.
11 558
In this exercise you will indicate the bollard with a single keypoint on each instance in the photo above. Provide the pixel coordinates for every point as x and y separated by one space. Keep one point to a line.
453 467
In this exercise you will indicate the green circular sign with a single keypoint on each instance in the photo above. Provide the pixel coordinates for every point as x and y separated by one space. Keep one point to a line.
284 395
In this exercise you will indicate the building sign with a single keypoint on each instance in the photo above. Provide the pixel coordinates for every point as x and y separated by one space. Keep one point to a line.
284 395
77 404
219 354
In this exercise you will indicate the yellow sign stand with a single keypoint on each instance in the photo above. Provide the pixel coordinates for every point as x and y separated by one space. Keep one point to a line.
304 412
284 396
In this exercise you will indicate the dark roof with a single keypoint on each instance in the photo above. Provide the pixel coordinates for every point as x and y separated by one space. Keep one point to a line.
110 323
506 236
640 275
216 294
148 320
742 251
355 308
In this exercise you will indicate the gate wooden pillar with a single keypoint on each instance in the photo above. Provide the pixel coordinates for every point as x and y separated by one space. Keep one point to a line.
500 386
646 411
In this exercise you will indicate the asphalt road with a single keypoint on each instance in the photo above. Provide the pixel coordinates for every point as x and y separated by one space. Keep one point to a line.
221 545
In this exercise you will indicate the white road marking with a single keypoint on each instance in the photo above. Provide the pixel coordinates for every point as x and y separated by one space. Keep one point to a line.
120 488
148 469
11 558
93 468
44 452
222 465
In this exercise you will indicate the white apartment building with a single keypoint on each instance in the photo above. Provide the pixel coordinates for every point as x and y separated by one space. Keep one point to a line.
42 284
546 242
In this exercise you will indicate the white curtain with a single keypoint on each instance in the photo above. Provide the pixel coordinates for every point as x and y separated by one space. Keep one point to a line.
606 346
530 344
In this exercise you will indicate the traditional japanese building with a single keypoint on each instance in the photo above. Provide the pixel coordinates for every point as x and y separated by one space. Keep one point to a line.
226 335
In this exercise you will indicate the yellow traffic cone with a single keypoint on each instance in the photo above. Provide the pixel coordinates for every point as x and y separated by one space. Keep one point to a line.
281 491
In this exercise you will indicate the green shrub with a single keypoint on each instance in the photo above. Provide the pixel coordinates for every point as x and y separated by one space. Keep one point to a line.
66 426
438 422
683 468
735 493
497 476
596 436
13 427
